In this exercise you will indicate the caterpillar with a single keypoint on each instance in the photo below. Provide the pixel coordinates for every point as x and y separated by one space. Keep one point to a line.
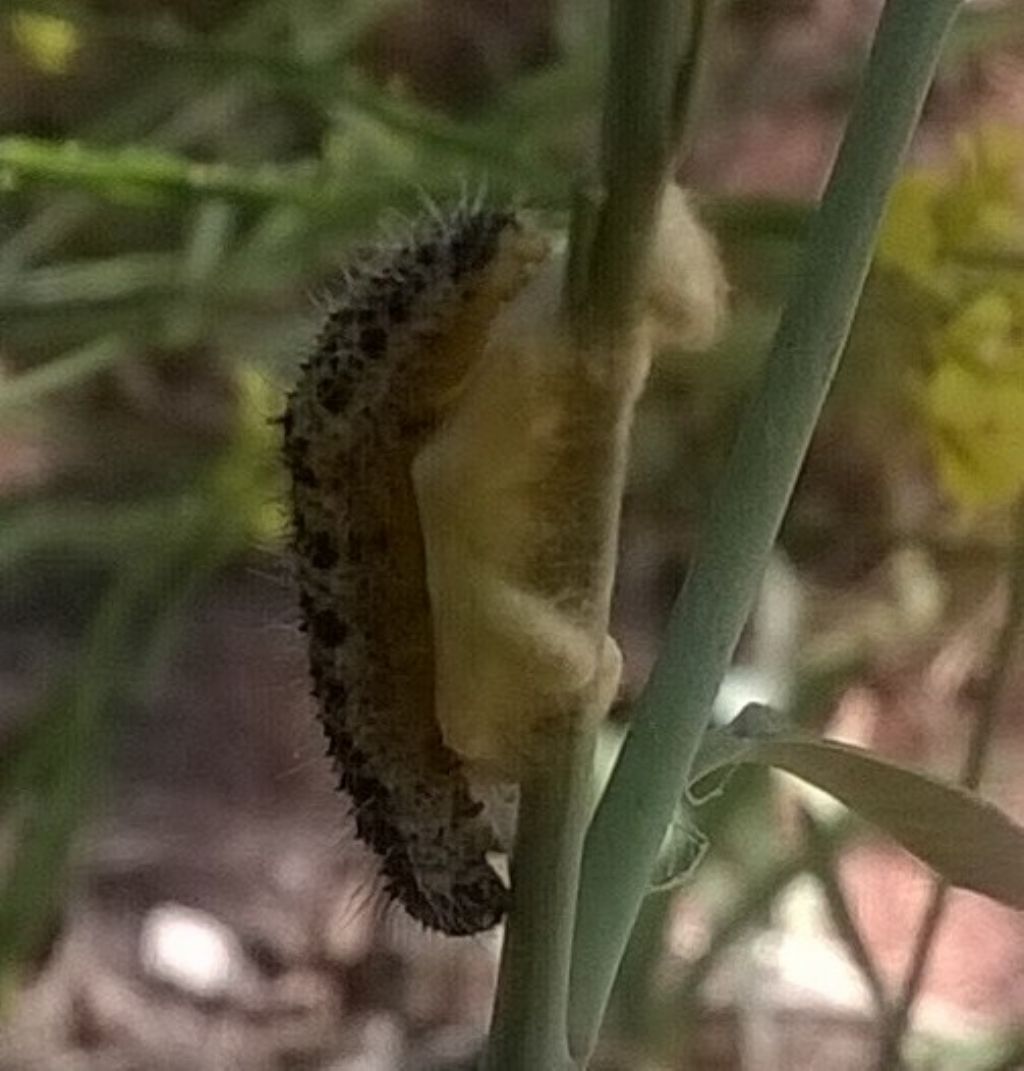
456 470
395 346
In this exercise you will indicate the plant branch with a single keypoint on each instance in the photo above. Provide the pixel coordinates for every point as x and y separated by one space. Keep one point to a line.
636 153
897 1022
531 1007
690 75
611 232
821 848
674 709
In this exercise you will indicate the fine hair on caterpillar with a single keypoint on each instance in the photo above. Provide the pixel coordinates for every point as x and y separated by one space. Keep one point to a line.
456 469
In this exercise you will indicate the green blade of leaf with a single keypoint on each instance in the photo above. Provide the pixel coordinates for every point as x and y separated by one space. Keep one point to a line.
963 837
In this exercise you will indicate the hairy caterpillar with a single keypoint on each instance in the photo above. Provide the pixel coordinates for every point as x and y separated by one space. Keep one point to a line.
456 471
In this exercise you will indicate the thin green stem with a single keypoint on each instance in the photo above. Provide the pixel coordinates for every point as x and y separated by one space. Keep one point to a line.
613 223
1002 659
691 75
744 519
636 152
896 1023
532 1002
34 159
320 83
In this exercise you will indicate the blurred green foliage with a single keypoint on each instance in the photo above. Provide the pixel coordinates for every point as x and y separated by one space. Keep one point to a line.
176 188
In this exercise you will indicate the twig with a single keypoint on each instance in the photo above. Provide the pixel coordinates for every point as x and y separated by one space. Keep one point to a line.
897 1022
821 847
66 371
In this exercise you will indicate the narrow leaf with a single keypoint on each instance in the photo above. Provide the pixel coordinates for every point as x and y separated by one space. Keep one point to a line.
966 839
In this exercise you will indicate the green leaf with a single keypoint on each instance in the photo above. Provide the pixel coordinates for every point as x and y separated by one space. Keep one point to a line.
130 172
966 839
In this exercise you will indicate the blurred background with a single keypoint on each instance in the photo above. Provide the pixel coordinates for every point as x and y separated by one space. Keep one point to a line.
179 182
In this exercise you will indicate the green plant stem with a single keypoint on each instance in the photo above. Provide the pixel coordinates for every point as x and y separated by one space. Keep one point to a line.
634 1004
612 227
745 516
531 1007
62 163
319 83
691 75
896 1023
636 152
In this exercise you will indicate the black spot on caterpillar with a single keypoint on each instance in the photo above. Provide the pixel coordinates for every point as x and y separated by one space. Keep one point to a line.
398 341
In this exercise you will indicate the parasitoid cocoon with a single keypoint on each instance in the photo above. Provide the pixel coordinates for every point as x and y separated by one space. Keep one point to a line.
519 492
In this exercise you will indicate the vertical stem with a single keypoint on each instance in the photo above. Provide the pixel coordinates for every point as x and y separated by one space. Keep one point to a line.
691 75
897 1021
533 984
1002 658
613 223
744 519
636 151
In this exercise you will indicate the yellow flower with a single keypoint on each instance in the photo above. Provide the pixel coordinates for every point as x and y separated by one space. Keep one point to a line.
981 210
49 42
984 332
973 403
909 241
241 484
956 238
